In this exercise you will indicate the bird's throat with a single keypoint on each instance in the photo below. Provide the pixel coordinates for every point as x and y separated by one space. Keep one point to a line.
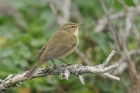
75 32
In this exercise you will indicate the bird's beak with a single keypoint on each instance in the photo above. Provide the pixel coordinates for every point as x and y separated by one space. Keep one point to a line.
79 25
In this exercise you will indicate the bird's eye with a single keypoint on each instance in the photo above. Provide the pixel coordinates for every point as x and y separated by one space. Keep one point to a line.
72 26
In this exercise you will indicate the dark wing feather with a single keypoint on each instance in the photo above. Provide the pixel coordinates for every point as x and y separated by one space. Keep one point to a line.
39 53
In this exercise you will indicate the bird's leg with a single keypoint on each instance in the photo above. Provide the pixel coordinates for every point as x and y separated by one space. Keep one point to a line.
53 63
64 62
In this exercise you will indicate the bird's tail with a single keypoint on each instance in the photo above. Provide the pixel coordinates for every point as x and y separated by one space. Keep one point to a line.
33 70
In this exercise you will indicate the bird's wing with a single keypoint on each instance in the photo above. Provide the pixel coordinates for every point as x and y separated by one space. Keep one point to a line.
39 53
61 44
58 51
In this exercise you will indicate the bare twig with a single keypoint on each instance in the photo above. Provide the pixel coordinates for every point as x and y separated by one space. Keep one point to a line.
111 76
102 23
123 34
109 58
63 70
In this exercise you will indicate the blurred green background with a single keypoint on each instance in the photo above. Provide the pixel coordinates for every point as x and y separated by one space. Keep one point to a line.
26 25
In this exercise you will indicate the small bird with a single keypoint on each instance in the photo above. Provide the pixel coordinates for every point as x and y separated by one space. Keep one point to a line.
62 43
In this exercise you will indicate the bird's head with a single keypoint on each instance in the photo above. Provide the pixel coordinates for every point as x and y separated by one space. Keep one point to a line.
71 28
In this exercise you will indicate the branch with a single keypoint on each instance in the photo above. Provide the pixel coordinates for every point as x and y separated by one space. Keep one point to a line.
121 42
63 70
103 23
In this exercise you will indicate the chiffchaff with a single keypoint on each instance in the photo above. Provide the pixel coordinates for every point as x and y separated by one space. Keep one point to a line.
62 43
